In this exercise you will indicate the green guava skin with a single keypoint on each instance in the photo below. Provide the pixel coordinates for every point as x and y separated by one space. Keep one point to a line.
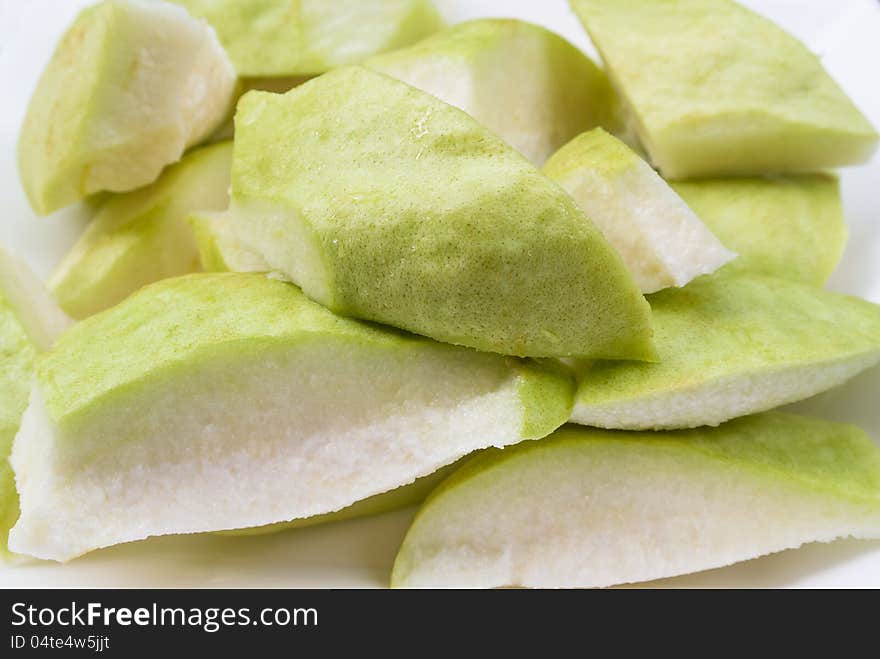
130 86
460 535
791 227
417 217
272 39
526 84
140 237
706 102
176 325
727 333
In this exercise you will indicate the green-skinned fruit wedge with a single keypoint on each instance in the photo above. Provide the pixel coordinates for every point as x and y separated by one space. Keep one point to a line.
271 42
29 323
789 226
401 497
662 242
706 101
143 236
731 345
223 401
526 84
131 85
593 508
219 249
384 203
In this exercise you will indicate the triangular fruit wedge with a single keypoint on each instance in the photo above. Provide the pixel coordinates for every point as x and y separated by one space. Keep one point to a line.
715 89
143 236
662 242
224 401
789 226
593 508
281 39
131 85
732 345
384 203
526 84
29 323
219 249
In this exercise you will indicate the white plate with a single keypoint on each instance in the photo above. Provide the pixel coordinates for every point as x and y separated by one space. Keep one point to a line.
360 552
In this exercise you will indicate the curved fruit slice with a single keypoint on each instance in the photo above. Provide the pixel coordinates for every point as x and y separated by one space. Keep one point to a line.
224 401
790 226
401 209
526 84
706 101
29 322
131 85
290 38
401 497
141 237
731 346
588 508
219 249
659 238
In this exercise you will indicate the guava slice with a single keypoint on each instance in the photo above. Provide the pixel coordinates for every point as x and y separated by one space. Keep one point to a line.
225 401
131 85
294 38
384 203
593 508
526 84
715 89
143 236
662 242
731 345
788 226
219 249
29 322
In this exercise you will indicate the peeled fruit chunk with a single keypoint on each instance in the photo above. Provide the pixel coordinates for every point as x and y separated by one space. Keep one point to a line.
707 102
219 249
143 236
526 84
289 38
29 322
593 508
659 238
732 345
225 401
789 226
384 203
131 85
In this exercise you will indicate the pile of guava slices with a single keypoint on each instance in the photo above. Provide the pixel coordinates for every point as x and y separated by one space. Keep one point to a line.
345 258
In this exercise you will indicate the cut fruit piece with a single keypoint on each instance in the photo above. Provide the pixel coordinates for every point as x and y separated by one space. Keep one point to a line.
131 85
142 237
272 39
790 226
219 249
27 296
707 102
29 322
732 345
593 508
526 84
401 497
659 238
224 401
401 209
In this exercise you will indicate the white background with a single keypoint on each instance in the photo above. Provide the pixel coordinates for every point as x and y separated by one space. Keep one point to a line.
846 33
